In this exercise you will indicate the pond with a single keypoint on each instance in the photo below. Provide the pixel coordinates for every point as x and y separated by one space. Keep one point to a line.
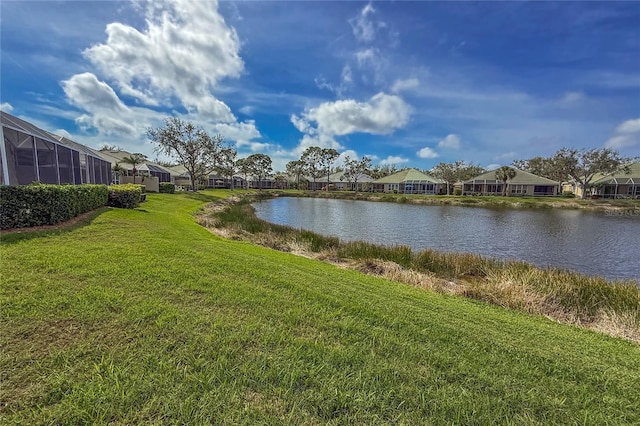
593 243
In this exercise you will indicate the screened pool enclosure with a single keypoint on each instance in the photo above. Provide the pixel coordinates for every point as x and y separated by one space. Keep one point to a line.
30 154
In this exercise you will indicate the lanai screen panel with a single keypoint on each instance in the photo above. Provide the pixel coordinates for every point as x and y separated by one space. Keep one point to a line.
20 157
64 164
47 166
160 173
75 155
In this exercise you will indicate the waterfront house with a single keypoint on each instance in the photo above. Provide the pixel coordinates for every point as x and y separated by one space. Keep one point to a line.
523 184
618 185
409 181
30 154
340 183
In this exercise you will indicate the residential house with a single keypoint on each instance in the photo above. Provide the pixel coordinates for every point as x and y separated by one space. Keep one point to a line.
224 182
618 185
409 181
523 184
340 183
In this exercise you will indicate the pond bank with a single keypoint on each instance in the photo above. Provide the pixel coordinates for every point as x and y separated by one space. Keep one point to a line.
567 297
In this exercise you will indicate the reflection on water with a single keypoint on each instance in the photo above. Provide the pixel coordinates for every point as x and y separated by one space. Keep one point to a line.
587 242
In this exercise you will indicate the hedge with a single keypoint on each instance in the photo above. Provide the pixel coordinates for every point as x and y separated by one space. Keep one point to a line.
41 204
126 196
167 187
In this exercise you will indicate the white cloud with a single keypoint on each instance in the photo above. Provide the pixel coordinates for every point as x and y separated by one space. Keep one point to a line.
392 159
629 126
239 132
451 141
347 76
427 152
622 141
364 29
379 115
407 84
367 56
6 107
107 112
627 135
247 110
382 114
184 51
493 167
572 97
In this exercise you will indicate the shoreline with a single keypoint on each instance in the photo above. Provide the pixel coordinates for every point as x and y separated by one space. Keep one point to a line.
596 303
616 207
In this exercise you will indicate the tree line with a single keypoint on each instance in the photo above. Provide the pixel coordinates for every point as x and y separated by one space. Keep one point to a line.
202 154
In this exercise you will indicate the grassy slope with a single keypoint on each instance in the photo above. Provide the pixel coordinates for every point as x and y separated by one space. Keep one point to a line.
145 317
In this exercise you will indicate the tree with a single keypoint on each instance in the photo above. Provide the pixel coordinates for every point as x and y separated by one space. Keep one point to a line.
243 167
259 166
164 163
134 160
327 157
312 159
454 172
468 171
582 165
190 145
113 148
280 180
354 169
379 172
447 172
295 168
227 163
118 170
540 166
505 174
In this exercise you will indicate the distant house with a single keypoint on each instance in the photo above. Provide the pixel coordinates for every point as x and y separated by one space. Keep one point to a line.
146 168
618 185
523 184
224 182
341 184
409 181
30 154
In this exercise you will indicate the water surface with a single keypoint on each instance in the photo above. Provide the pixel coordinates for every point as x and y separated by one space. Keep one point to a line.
589 242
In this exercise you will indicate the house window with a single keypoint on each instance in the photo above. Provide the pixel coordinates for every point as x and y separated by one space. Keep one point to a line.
518 189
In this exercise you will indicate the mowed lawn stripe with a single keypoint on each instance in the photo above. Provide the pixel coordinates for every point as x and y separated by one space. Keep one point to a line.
142 316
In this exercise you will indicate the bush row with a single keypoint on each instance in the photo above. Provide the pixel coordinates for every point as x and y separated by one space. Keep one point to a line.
167 187
127 196
40 204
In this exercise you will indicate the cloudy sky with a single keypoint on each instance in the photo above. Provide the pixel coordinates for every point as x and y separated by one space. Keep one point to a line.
407 83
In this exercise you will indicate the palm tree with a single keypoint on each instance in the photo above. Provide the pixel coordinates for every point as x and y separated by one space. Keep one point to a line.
134 160
118 170
505 174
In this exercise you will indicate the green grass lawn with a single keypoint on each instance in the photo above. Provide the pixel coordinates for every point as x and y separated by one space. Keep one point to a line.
142 316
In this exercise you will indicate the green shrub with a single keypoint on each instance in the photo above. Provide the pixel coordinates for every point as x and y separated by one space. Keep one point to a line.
167 187
127 196
41 204
457 191
568 194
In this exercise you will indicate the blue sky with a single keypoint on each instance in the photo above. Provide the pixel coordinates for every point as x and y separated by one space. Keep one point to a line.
407 83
